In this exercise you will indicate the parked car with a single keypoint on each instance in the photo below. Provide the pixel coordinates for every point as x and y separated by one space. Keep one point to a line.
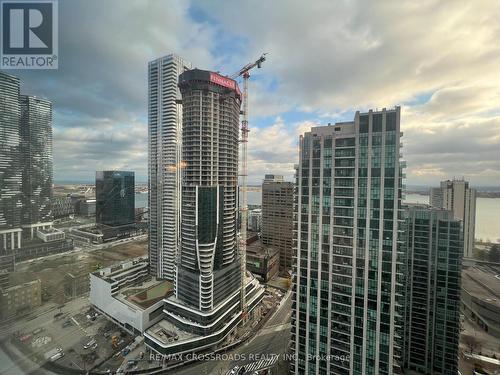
89 344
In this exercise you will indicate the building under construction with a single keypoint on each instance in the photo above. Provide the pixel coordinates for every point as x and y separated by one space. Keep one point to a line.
207 302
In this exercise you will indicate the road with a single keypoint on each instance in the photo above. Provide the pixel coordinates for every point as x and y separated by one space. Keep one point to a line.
272 339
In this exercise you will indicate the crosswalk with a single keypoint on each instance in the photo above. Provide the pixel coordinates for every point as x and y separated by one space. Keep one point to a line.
260 365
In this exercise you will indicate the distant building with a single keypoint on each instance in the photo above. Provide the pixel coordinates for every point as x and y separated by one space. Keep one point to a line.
277 217
433 273
164 162
76 283
10 163
36 150
62 207
37 248
255 220
86 207
115 198
19 300
50 234
458 197
262 261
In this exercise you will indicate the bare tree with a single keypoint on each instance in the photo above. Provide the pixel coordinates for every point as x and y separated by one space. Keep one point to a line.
472 343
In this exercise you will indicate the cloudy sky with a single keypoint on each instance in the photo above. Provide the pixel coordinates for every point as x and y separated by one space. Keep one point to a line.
439 60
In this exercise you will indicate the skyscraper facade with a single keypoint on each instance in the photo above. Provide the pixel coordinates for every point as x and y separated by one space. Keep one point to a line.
36 150
10 163
458 197
164 166
432 308
277 217
347 286
209 269
207 301
115 198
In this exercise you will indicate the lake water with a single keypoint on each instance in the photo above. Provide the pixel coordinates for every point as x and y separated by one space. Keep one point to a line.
487 212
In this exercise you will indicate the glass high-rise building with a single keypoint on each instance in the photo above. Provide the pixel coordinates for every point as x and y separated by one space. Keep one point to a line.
164 163
36 149
10 163
433 269
347 287
115 198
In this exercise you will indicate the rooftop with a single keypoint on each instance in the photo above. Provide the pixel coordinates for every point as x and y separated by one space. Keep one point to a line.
165 332
482 282
147 294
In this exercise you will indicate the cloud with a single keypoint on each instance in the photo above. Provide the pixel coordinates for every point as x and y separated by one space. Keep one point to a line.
438 59
331 57
274 149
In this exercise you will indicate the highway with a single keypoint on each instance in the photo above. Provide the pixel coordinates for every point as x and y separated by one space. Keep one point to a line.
272 339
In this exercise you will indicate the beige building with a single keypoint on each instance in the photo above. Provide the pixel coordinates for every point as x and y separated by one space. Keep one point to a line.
76 283
458 197
277 217
20 299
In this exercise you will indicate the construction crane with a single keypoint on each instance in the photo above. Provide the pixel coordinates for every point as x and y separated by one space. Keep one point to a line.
245 73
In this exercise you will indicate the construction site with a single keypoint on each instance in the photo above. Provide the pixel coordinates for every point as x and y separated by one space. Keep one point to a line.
55 272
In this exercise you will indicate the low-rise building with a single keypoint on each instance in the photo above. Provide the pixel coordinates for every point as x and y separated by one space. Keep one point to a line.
36 248
86 207
262 261
480 298
20 299
127 294
50 234
76 283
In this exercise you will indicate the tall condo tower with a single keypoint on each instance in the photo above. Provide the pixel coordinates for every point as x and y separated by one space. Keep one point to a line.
36 149
10 163
432 309
347 292
209 268
207 302
164 167
456 196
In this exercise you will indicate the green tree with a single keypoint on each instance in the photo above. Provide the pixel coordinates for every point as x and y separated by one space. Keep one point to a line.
494 254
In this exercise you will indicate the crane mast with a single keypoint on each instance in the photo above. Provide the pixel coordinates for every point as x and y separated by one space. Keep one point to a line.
244 72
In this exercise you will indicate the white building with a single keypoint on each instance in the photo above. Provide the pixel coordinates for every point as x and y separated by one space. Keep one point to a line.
113 291
165 135
458 197
255 220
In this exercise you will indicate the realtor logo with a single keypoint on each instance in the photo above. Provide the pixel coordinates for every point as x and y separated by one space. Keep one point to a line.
29 34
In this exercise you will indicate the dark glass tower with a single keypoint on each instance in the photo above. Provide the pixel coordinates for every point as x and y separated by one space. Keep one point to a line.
10 161
36 146
434 262
347 283
115 198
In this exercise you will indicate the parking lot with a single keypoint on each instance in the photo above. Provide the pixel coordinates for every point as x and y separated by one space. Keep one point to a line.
83 338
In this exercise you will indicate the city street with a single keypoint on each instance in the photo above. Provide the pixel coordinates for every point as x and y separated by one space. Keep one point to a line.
272 339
